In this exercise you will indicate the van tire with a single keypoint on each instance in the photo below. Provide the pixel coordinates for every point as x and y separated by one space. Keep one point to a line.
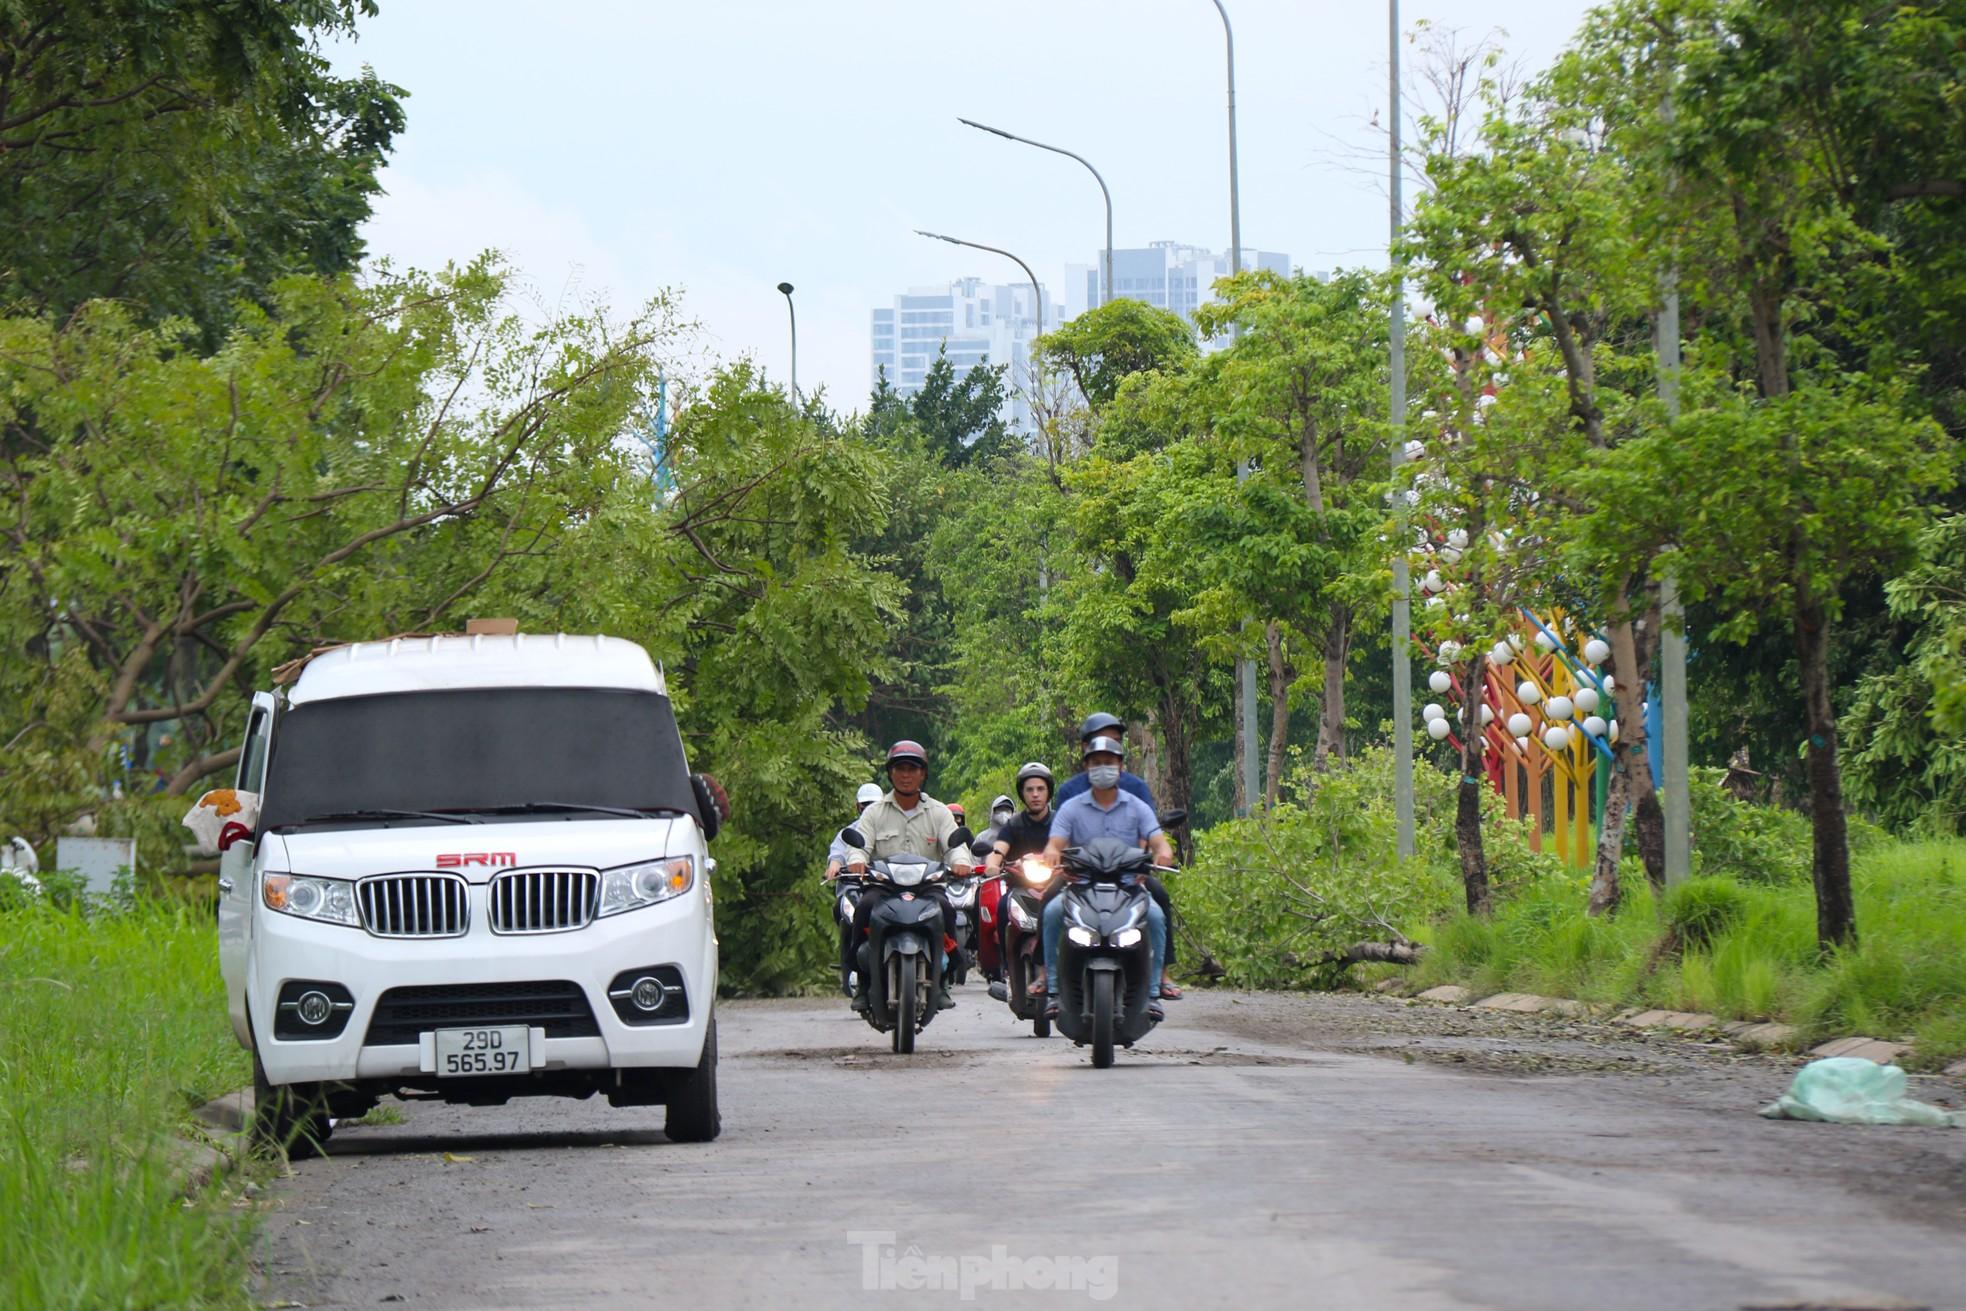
288 1119
692 1115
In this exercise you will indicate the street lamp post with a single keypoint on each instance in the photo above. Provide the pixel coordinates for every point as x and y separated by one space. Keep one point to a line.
1396 412
1106 278
1245 668
1037 293
786 287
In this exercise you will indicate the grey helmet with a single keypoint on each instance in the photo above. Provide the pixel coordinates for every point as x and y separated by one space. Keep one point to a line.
1099 744
1036 769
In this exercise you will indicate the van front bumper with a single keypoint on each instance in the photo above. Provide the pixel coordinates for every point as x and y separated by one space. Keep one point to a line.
399 990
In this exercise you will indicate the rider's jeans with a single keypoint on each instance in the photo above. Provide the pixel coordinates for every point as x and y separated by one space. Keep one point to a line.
1054 929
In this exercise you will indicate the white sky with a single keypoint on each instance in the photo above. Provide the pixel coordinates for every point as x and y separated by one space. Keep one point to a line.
721 146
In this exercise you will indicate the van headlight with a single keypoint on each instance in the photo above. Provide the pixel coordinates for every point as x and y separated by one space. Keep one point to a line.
630 887
309 897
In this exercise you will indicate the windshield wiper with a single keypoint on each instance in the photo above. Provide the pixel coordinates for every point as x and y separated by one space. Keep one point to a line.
334 815
530 806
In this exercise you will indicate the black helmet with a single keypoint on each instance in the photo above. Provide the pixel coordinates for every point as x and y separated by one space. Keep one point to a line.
1036 769
1108 744
1099 723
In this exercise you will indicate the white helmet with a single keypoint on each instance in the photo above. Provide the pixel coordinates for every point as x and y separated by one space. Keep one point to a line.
868 794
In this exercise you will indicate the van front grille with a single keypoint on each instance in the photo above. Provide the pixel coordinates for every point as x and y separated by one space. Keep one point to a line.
543 900
558 1006
414 905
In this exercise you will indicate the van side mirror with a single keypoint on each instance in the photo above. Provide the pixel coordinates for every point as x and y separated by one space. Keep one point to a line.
712 803
1176 818
853 837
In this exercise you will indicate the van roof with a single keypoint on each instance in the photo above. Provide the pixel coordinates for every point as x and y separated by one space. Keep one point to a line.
416 664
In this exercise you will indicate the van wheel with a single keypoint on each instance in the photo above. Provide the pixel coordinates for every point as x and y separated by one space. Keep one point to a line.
692 1115
290 1118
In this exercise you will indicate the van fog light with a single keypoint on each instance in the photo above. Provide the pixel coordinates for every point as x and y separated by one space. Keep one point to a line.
314 1008
648 994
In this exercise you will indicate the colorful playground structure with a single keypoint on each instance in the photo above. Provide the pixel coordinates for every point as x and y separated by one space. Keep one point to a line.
1545 711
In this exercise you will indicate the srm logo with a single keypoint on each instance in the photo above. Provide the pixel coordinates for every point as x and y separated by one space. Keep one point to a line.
457 859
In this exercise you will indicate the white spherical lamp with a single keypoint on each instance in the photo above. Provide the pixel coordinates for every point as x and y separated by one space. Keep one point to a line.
1573 734
1558 708
1597 651
1432 582
1500 654
1594 726
1487 714
1522 745
1608 682
1439 681
1520 724
1586 699
1437 729
1448 650
1555 738
1545 643
1458 539
1611 732
1432 711
1528 693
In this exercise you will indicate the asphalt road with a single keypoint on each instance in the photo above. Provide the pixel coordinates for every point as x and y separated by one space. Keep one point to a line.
1257 1150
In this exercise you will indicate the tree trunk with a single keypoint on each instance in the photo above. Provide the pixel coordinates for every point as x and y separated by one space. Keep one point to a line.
1631 664
1280 680
1836 915
1467 799
1179 784
1331 720
1605 892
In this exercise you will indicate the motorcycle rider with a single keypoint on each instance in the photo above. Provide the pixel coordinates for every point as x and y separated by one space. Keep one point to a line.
1098 724
837 855
838 852
907 822
1101 724
1105 812
1002 808
1023 834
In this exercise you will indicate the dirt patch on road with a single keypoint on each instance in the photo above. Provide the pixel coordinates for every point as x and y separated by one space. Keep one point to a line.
862 1058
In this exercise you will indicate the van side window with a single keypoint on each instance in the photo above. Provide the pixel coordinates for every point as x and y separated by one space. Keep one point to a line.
252 756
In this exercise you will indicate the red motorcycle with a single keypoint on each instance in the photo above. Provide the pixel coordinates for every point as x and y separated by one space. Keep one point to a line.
1016 904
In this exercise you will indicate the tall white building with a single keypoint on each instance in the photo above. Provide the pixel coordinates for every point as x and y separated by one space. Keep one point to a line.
974 322
1165 274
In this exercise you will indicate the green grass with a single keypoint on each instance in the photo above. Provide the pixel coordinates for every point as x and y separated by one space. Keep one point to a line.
1747 950
112 1027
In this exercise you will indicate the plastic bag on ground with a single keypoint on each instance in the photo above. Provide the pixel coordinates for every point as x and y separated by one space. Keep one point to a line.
1852 1090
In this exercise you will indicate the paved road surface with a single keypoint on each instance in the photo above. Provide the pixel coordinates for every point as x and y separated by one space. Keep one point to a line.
1251 1153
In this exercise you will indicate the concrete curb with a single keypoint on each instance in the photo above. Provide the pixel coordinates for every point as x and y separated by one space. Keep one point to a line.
1764 1036
224 1122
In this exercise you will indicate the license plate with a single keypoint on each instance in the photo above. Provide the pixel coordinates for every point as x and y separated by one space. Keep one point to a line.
504 1049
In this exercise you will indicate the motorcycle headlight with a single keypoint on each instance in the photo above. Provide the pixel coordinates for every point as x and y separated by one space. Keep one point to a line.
631 887
308 897
1021 917
1127 938
1083 936
906 874
1036 872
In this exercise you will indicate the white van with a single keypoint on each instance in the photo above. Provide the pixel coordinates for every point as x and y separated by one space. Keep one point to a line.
478 871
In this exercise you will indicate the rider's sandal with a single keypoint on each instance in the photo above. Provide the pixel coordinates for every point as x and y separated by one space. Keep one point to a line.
1168 992
1155 1011
1051 1009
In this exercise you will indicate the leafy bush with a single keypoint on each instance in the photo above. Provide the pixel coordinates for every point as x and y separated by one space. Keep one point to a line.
1743 840
1279 897
1700 910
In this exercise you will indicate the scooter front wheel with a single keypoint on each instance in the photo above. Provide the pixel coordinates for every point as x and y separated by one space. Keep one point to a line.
905 1003
1102 1019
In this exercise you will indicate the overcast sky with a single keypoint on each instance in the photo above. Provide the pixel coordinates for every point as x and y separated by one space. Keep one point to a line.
723 146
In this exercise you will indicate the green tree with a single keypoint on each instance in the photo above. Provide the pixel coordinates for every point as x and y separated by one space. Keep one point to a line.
1103 347
181 157
961 419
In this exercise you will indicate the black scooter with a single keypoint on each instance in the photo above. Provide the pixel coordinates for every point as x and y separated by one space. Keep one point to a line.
1105 956
901 959
845 890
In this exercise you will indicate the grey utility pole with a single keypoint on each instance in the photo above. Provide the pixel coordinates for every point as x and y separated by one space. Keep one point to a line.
1252 783
786 287
1106 275
1672 642
1396 411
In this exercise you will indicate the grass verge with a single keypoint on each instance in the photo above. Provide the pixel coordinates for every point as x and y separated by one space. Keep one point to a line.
1739 950
112 1027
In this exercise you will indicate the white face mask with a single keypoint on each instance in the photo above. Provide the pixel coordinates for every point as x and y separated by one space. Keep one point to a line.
1104 776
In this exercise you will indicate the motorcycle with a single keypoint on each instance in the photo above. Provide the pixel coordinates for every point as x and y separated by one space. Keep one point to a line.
1105 961
845 891
901 958
961 888
1021 906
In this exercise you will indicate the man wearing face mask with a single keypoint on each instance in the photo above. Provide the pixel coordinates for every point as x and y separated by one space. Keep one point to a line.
1105 812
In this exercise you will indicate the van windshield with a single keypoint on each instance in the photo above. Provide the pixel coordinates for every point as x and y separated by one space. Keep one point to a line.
474 749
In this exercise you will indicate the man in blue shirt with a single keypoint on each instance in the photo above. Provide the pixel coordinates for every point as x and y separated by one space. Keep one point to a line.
1103 725
1105 812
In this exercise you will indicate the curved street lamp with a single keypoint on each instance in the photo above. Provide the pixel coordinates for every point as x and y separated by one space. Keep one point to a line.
1106 280
786 288
1037 299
